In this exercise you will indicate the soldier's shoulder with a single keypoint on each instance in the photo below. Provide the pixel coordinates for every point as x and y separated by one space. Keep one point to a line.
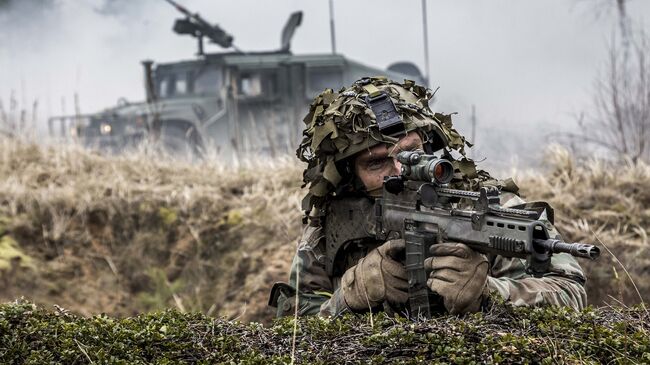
312 235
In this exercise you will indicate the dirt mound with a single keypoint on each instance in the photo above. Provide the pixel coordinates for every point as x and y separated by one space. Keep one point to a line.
124 235
129 234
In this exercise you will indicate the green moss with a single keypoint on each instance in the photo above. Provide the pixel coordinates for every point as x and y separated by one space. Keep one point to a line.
502 335
11 252
168 215
232 218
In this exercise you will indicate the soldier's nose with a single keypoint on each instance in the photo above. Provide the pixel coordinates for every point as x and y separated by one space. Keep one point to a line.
397 167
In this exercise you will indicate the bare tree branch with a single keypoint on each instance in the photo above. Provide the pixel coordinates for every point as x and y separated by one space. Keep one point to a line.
619 120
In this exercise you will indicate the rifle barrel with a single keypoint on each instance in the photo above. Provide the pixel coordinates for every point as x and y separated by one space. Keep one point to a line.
575 249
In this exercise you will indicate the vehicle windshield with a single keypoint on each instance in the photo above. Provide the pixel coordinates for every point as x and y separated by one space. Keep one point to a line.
189 82
208 81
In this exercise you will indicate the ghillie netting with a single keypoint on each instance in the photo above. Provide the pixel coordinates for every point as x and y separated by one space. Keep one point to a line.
505 335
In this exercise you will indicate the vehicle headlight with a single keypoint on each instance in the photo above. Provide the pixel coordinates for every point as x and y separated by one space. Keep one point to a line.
105 129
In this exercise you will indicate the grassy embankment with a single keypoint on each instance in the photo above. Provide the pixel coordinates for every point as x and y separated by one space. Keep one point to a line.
502 335
132 234
125 235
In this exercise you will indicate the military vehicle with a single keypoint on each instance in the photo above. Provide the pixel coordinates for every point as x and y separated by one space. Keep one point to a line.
228 102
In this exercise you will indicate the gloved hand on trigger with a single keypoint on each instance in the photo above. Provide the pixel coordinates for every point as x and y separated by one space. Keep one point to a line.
459 275
376 278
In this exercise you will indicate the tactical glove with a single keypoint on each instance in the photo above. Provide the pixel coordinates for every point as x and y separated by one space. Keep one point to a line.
459 275
376 278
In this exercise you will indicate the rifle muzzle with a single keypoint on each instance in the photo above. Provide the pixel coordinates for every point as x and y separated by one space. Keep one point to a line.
574 249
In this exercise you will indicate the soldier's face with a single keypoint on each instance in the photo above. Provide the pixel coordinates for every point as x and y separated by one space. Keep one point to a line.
372 165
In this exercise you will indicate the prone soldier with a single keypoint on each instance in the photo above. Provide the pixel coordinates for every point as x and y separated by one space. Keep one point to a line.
351 141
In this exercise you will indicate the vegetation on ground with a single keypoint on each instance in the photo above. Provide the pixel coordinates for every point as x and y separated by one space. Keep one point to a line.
124 235
130 234
504 335
606 204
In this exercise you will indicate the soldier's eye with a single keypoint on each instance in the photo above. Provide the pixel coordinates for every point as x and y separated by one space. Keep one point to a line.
413 148
378 164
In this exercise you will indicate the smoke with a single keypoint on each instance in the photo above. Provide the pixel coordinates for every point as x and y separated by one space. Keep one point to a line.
30 12
21 19
70 55
123 8
527 66
12 10
56 51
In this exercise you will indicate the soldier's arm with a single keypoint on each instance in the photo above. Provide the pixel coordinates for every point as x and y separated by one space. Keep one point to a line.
315 289
562 286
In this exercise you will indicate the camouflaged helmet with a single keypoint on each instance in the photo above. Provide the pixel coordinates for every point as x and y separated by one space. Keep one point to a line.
371 111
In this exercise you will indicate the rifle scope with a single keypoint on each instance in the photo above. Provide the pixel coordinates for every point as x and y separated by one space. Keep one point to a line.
421 167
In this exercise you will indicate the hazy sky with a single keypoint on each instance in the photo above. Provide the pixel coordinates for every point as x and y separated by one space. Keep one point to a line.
528 65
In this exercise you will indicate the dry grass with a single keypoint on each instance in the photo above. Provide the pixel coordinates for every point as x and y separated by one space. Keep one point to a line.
122 235
125 234
600 201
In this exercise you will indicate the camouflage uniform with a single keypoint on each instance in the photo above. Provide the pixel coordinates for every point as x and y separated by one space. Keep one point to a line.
318 290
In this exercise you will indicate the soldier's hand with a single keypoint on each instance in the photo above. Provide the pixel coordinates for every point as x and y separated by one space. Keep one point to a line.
376 278
459 275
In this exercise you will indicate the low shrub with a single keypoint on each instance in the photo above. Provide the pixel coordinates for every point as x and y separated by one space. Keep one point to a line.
503 334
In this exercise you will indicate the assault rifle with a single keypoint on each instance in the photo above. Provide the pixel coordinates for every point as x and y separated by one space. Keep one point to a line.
417 207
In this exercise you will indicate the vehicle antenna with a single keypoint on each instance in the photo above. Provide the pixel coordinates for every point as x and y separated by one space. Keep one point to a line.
332 31
425 31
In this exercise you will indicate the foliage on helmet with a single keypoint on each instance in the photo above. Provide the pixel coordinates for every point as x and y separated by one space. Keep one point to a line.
341 124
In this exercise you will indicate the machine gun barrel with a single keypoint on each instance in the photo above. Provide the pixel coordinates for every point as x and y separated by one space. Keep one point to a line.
180 8
196 17
198 27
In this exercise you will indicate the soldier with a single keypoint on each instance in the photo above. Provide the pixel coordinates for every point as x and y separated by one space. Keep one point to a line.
348 154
